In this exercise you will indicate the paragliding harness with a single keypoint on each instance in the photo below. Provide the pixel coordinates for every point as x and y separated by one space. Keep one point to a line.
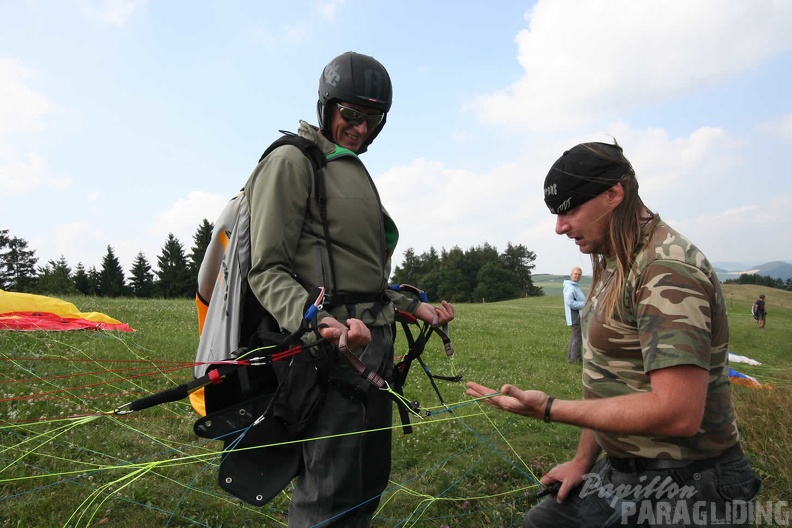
416 344
247 395
235 323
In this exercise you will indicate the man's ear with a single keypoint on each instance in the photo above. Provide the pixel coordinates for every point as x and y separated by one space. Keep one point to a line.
615 195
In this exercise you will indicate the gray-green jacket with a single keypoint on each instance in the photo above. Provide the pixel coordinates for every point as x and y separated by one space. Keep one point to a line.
288 250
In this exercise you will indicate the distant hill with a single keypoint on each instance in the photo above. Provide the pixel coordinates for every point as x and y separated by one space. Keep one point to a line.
776 269
553 284
734 266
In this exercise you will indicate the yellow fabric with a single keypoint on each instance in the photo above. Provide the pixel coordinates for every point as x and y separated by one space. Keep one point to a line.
202 309
28 302
198 402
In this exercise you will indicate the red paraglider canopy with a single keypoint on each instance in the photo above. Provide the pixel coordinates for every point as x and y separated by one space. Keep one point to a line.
28 312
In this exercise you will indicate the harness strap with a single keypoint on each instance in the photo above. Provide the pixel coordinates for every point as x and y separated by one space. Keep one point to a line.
443 333
365 372
372 377
349 301
414 349
318 160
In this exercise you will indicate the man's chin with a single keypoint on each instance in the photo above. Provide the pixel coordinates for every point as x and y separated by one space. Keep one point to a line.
584 248
354 146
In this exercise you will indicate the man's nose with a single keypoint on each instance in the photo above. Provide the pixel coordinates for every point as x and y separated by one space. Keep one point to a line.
562 225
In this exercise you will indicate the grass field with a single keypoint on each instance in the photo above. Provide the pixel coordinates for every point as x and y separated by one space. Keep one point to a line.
65 464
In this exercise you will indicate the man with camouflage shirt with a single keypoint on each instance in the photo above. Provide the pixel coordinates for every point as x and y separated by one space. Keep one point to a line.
656 394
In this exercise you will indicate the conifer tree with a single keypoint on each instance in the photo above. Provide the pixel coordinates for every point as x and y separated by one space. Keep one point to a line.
142 281
5 275
17 264
94 279
56 278
111 277
83 282
174 275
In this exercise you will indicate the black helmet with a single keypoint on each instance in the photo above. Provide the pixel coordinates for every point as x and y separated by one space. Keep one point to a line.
354 78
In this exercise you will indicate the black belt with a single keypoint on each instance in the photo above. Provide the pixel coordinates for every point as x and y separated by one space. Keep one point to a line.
345 298
640 464
349 300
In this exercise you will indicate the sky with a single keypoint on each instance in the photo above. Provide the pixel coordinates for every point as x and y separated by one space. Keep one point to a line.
122 121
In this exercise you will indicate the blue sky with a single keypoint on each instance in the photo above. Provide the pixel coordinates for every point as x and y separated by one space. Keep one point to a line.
124 120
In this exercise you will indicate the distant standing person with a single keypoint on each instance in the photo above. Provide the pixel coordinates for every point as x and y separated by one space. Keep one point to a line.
759 312
573 303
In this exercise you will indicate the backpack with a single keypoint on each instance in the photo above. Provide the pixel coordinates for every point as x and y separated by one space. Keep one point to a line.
258 403
226 324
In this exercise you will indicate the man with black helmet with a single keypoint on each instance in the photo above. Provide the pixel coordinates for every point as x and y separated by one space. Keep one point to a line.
292 249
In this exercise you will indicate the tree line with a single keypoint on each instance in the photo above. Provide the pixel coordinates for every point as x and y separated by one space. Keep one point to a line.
176 273
478 274
762 280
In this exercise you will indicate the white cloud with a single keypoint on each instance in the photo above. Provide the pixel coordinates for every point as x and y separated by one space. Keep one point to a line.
113 12
21 114
686 179
20 175
665 165
455 206
579 68
184 216
21 108
781 127
328 8
744 228
460 136
86 241
80 241
297 32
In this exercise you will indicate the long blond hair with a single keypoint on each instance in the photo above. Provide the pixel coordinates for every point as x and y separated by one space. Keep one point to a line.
625 238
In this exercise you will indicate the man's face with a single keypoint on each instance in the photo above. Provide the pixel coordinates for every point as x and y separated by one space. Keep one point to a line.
575 276
587 224
352 124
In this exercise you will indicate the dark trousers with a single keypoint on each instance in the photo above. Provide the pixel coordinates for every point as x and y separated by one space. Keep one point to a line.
721 495
344 474
575 343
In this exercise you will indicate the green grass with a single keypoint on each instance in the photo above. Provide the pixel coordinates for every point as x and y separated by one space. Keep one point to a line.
469 469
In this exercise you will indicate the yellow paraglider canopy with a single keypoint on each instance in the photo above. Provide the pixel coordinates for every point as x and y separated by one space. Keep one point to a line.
28 312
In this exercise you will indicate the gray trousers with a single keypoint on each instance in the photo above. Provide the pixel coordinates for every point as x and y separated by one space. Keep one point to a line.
721 495
575 343
344 474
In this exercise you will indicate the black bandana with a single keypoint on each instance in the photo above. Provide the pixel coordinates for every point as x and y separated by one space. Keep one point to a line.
583 172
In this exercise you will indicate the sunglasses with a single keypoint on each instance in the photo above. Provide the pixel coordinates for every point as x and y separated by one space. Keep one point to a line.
354 118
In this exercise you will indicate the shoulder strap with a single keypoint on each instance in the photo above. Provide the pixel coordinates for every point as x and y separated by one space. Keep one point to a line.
318 160
311 150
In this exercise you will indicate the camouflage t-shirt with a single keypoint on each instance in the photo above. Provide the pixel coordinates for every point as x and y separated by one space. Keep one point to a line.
674 314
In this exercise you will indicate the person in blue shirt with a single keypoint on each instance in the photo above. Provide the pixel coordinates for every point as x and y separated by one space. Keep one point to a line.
574 299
